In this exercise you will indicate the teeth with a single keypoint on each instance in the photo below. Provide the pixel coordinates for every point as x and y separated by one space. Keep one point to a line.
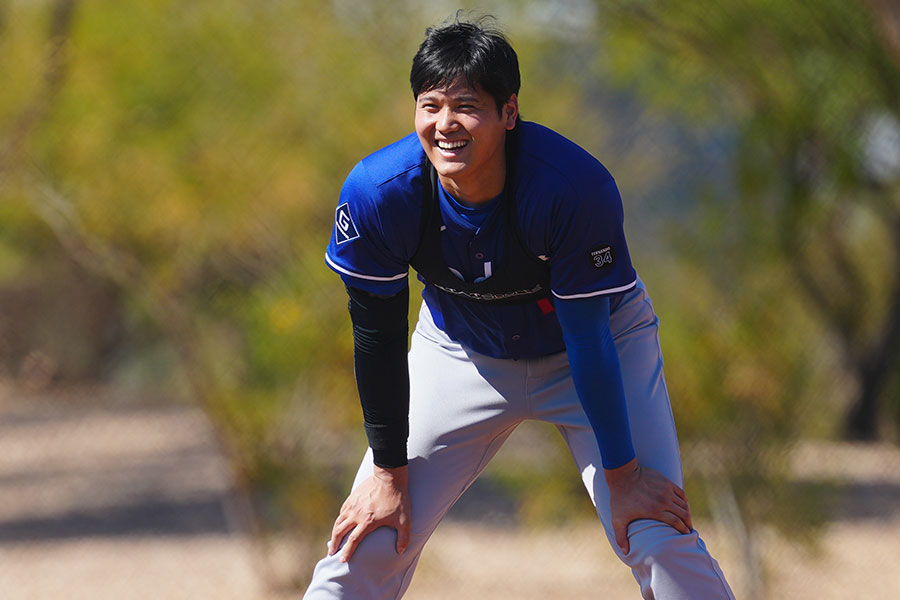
451 145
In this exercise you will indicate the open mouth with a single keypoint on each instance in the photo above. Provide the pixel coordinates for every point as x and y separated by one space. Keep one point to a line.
450 146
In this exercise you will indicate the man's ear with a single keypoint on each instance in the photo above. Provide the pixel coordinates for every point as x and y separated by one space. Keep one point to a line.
511 112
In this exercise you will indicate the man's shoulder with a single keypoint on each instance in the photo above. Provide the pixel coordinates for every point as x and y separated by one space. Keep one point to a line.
395 163
388 182
552 156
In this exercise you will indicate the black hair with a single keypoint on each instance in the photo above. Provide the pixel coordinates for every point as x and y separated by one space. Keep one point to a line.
470 49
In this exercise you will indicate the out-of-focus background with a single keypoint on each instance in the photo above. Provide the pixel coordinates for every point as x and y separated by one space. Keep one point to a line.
178 416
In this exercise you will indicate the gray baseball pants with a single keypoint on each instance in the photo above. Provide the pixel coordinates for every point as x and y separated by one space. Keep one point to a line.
464 405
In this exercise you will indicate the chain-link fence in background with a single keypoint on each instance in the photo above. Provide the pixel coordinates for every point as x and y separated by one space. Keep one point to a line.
178 415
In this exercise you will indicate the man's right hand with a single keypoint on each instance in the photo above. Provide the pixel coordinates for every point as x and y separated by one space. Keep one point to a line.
380 501
639 492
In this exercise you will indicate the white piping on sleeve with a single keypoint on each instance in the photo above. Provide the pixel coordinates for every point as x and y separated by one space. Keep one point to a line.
598 292
340 269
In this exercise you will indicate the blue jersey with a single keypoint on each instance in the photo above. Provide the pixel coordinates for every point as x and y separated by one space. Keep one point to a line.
569 212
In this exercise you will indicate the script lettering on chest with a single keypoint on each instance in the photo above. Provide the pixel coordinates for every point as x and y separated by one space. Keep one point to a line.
489 296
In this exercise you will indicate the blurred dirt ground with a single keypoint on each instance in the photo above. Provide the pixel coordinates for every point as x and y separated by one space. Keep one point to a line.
103 496
107 497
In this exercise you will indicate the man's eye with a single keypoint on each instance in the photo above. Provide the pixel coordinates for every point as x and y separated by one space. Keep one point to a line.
466 107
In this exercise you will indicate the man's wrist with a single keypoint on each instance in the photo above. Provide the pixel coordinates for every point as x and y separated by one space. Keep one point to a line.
622 475
394 475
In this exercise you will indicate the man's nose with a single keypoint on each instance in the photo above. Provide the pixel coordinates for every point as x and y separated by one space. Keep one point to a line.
446 120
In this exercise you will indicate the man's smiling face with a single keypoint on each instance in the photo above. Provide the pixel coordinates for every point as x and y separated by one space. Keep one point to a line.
464 137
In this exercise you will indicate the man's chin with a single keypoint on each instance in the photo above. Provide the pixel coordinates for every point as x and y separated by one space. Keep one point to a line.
448 168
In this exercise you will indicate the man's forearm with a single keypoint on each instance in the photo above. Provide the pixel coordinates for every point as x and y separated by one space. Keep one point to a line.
380 333
597 375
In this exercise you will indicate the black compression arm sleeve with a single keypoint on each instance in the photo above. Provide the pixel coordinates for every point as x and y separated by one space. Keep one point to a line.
380 332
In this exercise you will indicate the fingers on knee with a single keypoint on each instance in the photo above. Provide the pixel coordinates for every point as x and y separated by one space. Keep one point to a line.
378 549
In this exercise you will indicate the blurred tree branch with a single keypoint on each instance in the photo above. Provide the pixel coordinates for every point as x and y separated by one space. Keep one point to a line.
54 75
836 295
174 319
886 16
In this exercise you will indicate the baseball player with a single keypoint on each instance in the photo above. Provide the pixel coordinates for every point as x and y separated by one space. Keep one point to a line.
532 310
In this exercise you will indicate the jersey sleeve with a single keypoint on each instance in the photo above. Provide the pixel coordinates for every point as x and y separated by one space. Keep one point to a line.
359 250
589 256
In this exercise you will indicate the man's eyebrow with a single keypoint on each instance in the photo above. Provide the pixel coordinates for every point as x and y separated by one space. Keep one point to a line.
429 97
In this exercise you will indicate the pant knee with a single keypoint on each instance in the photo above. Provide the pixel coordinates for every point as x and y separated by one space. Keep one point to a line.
673 565
375 571
650 541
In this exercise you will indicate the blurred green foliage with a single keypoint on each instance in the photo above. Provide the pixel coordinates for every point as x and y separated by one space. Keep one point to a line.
169 171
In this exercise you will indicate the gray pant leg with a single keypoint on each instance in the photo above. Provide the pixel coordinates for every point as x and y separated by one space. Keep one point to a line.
457 423
668 565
